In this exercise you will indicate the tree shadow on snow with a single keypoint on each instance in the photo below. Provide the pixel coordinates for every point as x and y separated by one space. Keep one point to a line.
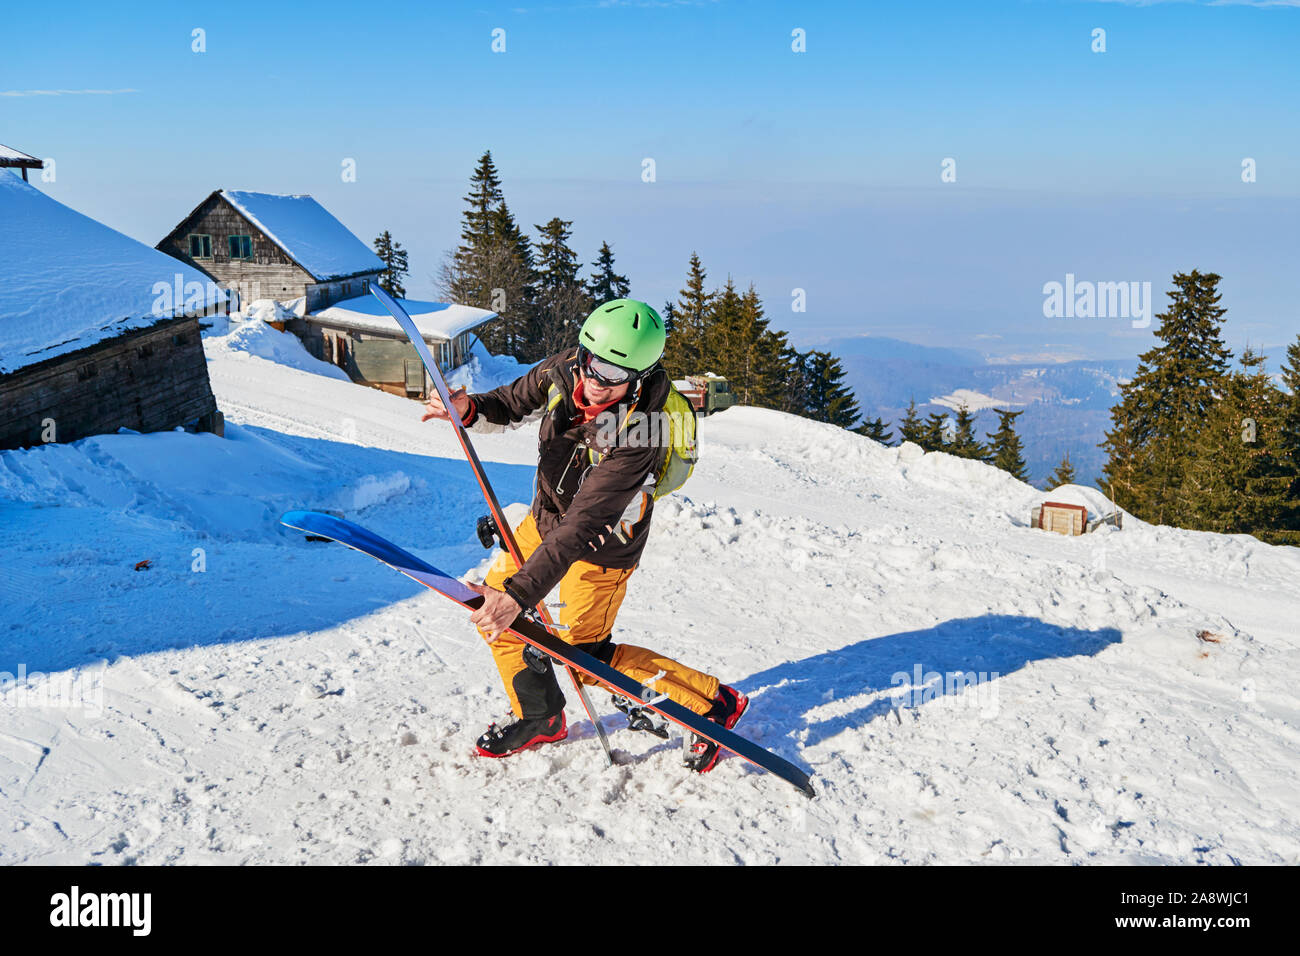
807 701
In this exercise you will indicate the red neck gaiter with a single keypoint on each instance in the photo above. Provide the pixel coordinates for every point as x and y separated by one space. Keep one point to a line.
587 412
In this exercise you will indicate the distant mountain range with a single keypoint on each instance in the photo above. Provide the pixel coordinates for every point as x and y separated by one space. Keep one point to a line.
1066 404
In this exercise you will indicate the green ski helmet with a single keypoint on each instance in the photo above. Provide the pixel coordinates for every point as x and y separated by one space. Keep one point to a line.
626 332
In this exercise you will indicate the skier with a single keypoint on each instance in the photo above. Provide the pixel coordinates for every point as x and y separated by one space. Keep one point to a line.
588 523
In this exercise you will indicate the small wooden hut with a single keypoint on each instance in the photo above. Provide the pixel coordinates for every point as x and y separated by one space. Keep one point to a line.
361 338
97 331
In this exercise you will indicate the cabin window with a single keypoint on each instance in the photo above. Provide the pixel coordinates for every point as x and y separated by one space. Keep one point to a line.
200 247
241 247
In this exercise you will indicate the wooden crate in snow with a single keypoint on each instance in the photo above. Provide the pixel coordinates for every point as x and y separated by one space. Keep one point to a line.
1061 518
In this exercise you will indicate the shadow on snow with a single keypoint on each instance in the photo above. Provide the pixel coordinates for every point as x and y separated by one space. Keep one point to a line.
802 703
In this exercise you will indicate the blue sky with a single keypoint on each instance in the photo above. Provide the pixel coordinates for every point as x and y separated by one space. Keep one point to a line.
817 170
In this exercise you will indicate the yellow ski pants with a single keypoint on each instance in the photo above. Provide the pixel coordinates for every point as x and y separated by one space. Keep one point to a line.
591 596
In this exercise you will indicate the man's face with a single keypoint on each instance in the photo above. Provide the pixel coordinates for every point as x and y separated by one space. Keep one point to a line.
599 394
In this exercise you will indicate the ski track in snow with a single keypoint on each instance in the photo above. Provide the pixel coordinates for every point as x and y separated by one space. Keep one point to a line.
267 700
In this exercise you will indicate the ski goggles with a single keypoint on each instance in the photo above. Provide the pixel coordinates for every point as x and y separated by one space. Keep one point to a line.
604 372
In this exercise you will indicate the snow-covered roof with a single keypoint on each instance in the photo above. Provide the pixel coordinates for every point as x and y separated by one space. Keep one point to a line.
14 157
438 321
67 281
307 233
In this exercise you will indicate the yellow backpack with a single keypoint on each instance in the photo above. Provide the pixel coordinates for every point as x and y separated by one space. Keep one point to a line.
682 453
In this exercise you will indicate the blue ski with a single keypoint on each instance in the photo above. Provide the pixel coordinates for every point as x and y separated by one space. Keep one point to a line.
367 542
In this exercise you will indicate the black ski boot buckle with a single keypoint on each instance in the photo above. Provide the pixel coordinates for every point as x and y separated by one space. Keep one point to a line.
488 532
537 661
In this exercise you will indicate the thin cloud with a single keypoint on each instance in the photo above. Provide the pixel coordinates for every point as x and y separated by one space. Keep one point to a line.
1206 3
63 92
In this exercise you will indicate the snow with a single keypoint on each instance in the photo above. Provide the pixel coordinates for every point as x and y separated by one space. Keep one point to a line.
973 400
9 153
435 320
248 337
68 282
307 232
252 697
484 371
1094 500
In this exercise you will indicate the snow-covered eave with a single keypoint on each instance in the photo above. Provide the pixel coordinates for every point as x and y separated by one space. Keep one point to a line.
73 282
441 325
17 159
57 352
252 220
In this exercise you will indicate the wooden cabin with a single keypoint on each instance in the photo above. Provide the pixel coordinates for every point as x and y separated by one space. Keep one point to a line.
269 246
97 331
361 338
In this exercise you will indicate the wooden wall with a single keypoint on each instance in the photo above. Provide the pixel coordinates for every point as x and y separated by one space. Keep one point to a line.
386 362
324 294
151 379
270 274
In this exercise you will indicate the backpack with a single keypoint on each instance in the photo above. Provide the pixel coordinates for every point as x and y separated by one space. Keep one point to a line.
682 453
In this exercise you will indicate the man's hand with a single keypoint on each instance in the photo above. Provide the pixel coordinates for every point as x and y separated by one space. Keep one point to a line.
495 614
434 408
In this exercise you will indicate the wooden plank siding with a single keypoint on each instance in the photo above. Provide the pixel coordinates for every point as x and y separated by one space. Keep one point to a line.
151 379
269 274
381 361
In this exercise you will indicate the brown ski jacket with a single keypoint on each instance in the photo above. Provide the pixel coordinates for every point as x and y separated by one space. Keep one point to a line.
593 490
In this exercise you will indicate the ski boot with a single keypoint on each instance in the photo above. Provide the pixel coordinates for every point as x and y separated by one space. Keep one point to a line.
728 706
522 734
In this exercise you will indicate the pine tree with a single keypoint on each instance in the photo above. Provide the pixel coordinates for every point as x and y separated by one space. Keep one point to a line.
1290 433
1161 410
875 429
765 366
723 347
828 398
934 436
395 265
484 196
796 389
1064 474
669 314
964 444
1006 450
513 284
562 299
911 428
476 233
1240 476
605 284
684 353
740 346
492 268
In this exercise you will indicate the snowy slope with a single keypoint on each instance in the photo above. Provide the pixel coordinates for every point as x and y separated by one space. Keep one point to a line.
297 702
